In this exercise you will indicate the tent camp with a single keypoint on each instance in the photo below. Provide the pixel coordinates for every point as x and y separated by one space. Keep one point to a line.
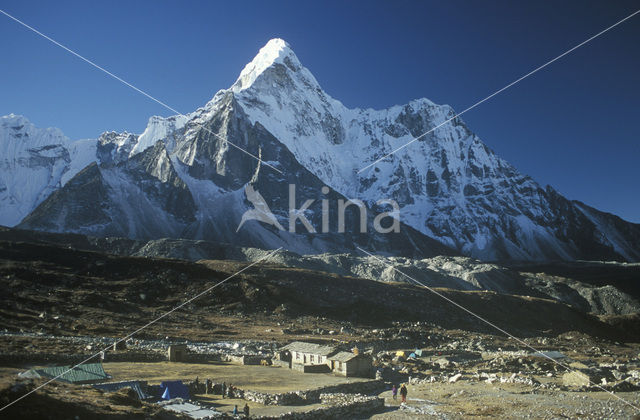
415 354
174 389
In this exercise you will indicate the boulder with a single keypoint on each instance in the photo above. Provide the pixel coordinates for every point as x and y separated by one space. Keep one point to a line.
443 362
455 378
578 365
577 379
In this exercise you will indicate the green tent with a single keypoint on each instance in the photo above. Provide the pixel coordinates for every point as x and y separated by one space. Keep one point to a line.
84 374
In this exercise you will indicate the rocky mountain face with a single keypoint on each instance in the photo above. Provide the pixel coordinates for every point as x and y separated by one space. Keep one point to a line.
194 187
450 185
180 179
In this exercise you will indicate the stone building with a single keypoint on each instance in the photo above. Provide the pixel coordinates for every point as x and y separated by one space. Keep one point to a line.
308 353
347 363
311 357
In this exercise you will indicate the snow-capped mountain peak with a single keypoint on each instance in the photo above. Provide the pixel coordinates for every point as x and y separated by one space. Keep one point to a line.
276 51
450 185
179 178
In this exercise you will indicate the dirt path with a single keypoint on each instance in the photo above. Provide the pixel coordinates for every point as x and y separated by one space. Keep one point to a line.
464 400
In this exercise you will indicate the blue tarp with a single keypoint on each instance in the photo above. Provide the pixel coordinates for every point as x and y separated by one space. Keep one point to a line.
174 389
115 386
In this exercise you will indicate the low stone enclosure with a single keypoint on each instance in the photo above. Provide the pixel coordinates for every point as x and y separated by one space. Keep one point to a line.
338 406
311 368
340 401
310 396
124 356
305 397
72 359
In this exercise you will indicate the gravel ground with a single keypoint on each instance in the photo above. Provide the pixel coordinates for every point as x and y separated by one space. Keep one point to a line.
464 400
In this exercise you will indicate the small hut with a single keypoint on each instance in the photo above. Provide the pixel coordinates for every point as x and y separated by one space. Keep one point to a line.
346 363
177 352
119 345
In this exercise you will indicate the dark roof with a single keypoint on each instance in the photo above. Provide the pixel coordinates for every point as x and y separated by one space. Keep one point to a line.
311 348
85 373
114 386
343 356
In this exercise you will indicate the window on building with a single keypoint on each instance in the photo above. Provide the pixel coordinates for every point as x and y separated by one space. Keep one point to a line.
297 356
312 357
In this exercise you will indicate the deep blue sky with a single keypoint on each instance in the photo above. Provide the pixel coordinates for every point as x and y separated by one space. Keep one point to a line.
575 125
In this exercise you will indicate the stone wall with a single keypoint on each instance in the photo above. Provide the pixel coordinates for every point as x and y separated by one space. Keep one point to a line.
310 368
285 398
281 363
246 359
71 359
312 395
119 356
202 357
339 406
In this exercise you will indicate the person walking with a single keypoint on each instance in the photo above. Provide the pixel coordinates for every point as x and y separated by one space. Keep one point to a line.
394 392
403 393
246 410
224 389
235 410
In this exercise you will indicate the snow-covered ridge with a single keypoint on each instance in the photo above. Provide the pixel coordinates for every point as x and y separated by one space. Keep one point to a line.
334 142
34 162
158 128
449 184
18 135
325 136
